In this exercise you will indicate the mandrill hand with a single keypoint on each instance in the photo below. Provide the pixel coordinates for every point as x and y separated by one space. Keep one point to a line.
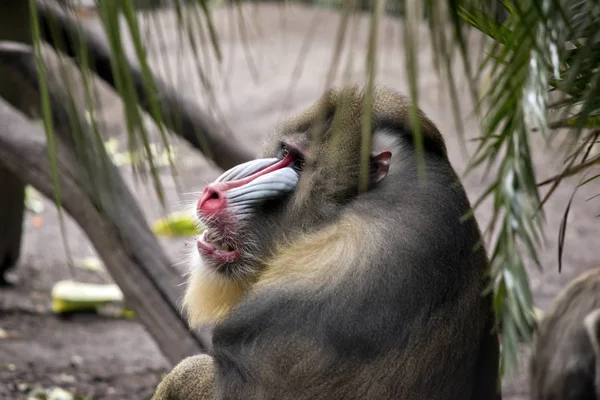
191 379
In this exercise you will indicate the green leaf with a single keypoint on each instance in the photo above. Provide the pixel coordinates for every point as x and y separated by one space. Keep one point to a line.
179 223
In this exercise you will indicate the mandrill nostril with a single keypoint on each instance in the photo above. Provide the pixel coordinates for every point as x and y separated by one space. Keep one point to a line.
213 199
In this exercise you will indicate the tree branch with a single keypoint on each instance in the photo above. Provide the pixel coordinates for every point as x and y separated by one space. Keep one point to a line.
196 126
94 194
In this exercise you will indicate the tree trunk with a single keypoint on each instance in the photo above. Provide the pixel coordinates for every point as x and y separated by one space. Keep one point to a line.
12 207
14 25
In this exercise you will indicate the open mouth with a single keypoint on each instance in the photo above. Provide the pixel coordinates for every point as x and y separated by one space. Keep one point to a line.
210 246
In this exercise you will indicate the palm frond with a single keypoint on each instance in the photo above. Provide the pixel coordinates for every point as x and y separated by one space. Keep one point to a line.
528 58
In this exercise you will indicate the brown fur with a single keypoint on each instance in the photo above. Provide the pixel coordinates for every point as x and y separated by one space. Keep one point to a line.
565 348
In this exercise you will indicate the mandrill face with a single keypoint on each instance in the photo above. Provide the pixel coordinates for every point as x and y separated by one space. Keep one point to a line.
229 205
254 207
307 179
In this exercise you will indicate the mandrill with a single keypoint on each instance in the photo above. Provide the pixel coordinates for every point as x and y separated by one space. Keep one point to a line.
565 359
318 289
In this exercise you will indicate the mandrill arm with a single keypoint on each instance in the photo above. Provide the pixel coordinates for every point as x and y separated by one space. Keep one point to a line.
191 379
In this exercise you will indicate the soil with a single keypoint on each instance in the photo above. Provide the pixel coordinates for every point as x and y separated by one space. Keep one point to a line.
102 356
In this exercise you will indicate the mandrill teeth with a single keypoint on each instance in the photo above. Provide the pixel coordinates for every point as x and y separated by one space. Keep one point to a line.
219 244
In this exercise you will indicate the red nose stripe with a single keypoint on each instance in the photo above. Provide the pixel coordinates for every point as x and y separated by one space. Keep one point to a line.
213 198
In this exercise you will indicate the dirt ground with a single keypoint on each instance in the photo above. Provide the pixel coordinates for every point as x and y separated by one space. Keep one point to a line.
105 357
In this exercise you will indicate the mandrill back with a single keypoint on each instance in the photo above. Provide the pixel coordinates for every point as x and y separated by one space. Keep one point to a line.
334 293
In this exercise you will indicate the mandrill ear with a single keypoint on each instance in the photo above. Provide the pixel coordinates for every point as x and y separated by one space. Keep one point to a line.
381 164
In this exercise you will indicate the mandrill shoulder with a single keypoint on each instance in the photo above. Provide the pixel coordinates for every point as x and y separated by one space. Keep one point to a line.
319 258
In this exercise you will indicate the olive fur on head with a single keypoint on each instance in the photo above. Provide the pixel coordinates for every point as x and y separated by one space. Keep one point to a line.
320 290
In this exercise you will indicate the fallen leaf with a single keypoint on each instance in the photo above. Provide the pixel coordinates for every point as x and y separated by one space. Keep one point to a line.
90 263
33 200
4 334
76 360
24 386
69 296
66 378
128 314
59 394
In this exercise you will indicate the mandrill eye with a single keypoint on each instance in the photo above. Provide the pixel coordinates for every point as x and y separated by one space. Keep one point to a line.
299 164
283 151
